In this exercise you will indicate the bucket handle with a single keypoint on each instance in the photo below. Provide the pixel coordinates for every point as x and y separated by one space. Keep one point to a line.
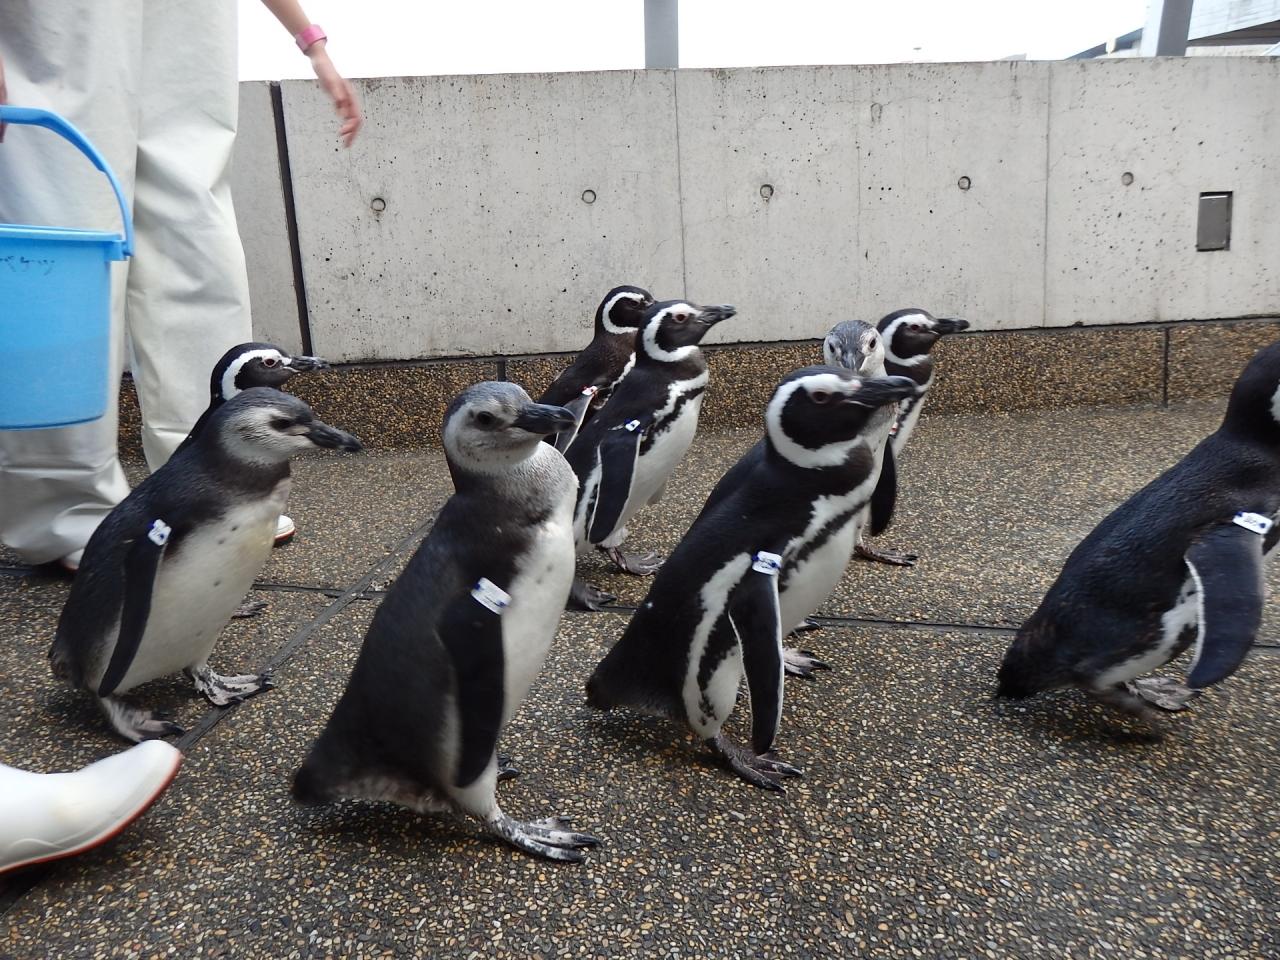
60 126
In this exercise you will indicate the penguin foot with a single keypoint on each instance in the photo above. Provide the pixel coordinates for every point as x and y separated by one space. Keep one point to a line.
762 770
250 608
886 556
807 625
1163 693
137 723
543 838
1122 698
506 769
583 596
802 663
641 565
223 691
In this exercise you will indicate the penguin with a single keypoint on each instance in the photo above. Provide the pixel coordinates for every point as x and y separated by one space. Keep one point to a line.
605 360
763 553
625 454
165 570
906 339
253 365
250 365
1177 565
462 633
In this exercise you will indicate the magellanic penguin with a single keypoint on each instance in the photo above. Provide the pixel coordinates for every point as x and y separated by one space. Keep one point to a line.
253 365
906 339
463 631
625 455
604 361
1177 565
763 553
164 572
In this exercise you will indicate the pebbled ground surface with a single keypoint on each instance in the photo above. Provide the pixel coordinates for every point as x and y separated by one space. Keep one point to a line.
931 821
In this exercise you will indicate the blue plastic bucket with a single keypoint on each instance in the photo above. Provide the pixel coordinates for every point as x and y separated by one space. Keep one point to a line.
55 306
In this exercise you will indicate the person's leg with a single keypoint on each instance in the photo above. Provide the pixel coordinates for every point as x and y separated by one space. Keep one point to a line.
44 816
77 59
188 295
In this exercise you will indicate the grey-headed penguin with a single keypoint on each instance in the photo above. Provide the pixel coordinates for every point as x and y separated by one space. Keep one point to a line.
463 631
166 569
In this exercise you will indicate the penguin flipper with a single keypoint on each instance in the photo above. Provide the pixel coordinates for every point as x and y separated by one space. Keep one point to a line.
1227 564
885 496
471 631
140 566
756 617
619 452
578 407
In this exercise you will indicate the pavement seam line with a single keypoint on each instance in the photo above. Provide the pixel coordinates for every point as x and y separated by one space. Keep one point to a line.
216 715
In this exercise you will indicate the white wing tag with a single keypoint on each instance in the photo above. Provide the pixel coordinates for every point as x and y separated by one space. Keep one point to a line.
159 533
1253 522
769 563
491 596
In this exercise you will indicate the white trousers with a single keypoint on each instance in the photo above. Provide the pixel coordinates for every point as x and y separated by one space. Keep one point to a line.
153 84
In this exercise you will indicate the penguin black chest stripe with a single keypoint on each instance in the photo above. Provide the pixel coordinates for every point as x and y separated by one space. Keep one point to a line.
670 416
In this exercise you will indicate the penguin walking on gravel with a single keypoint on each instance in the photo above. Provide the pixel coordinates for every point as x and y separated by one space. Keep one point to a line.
253 365
625 455
463 631
906 339
770 543
586 384
165 570
1178 565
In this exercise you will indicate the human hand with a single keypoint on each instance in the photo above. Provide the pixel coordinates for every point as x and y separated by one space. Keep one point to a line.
339 90
4 96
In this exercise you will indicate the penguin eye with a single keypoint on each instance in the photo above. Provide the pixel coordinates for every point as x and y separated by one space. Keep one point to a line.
820 397
281 423
485 419
680 317
270 362
917 327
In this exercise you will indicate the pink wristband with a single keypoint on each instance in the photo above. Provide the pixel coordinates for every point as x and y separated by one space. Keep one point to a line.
309 36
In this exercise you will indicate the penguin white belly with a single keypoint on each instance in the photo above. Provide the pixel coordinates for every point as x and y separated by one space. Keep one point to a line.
655 467
708 706
1184 613
197 590
812 581
538 596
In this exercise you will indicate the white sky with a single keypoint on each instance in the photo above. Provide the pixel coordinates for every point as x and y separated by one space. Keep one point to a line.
372 38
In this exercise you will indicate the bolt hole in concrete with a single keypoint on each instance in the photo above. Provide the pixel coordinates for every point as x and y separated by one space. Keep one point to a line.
964 183
588 196
378 204
766 190
1126 178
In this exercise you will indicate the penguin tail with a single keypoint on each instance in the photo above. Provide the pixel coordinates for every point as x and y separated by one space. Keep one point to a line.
1021 673
309 788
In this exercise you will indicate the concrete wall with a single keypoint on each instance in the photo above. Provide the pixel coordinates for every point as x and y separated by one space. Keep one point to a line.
457 225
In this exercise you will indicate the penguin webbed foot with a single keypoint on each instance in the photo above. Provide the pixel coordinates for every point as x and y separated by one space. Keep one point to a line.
546 838
762 770
807 625
1163 693
137 723
583 596
223 691
890 557
1122 698
250 608
637 564
507 770
802 663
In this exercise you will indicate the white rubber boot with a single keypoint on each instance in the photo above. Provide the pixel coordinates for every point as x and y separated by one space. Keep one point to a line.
47 816
285 530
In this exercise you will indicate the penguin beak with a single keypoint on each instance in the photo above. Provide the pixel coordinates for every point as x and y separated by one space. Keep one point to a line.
877 391
943 326
303 364
710 316
542 418
323 435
